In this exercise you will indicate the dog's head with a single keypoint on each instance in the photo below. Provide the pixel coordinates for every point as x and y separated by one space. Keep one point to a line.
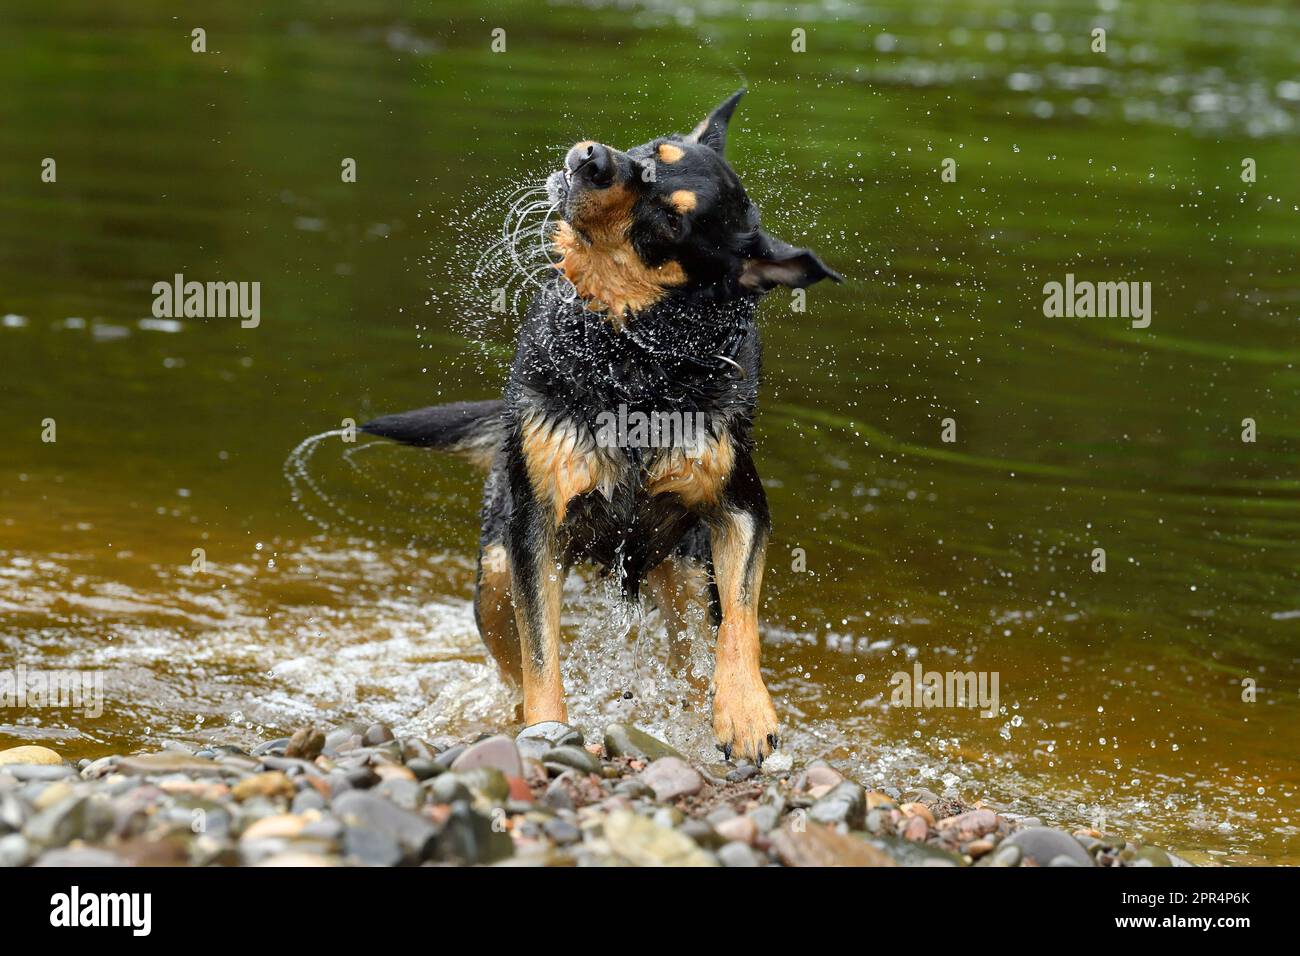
666 218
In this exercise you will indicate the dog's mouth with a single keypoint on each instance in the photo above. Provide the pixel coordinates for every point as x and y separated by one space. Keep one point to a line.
558 185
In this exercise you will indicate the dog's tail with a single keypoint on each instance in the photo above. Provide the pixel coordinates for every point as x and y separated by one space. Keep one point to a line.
472 429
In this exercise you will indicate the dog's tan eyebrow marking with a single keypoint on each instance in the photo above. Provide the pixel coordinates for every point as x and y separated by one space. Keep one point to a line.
670 152
683 200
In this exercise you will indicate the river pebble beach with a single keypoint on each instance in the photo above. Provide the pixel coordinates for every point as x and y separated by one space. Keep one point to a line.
548 796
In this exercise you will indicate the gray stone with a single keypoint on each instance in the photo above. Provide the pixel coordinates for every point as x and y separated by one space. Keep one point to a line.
447 788
739 854
571 758
72 817
624 740
1044 844
498 752
15 850
415 834
846 803
1005 855
308 799
535 739
79 857
405 793
40 772
470 838
562 832
672 777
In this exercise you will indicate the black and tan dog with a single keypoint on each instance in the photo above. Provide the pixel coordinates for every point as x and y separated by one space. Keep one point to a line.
659 266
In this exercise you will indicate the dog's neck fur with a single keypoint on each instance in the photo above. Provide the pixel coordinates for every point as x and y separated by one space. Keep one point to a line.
608 274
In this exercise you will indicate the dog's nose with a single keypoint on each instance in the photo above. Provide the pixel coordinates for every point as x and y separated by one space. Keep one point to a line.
591 162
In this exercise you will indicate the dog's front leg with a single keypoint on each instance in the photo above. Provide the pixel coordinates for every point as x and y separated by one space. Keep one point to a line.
744 720
537 584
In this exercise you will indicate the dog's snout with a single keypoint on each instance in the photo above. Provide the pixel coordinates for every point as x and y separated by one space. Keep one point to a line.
591 162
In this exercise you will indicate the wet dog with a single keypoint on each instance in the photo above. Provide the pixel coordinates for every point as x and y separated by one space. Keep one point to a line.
649 317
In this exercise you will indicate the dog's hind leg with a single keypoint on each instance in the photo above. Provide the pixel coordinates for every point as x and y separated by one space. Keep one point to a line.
681 588
494 612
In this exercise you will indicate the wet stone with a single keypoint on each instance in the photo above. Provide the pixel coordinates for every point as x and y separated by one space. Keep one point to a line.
671 778
846 803
424 769
535 739
562 832
376 734
570 758
498 753
1042 845
30 754
624 740
368 811
79 857
818 845
741 773
447 788
15 850
644 843
470 838
702 833
405 793
305 744
272 748
41 772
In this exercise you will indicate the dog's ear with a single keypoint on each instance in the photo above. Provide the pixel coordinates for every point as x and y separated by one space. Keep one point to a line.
712 132
771 262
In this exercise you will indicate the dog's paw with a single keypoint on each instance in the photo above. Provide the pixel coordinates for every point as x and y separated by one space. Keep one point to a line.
744 720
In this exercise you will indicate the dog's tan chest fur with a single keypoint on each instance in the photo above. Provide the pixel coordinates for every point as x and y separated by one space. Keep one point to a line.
564 462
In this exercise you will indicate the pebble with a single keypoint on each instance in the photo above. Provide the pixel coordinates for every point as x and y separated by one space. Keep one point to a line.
644 843
738 829
1042 845
1005 855
363 810
778 763
497 752
376 734
817 845
30 754
916 829
845 803
15 850
272 783
671 778
305 744
624 740
915 809
739 855
284 826
535 739
569 757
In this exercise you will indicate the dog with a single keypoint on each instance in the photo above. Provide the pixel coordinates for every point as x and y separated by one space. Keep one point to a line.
659 263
